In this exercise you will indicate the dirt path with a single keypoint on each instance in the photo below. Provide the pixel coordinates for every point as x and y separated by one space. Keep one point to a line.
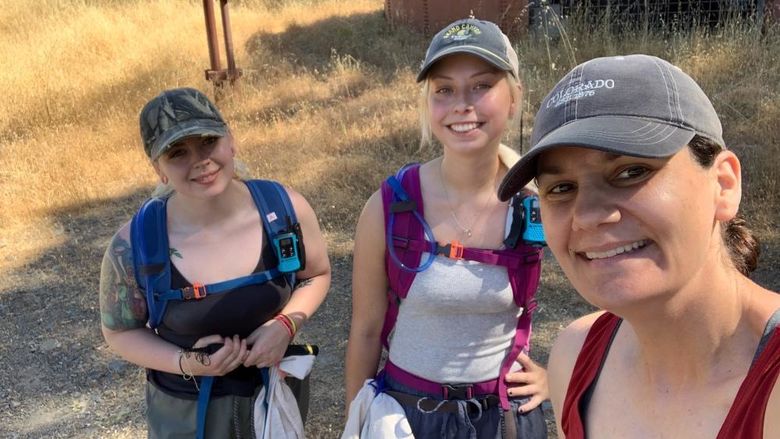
59 380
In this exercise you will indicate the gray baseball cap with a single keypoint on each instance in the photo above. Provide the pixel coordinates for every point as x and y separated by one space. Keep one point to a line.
636 105
175 114
476 37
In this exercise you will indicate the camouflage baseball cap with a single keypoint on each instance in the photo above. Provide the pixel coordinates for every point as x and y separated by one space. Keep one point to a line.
175 114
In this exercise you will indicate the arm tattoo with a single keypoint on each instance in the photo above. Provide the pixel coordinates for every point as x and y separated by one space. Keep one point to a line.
122 303
173 252
303 283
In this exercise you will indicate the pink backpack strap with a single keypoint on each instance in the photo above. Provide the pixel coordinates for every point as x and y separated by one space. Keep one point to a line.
524 282
405 227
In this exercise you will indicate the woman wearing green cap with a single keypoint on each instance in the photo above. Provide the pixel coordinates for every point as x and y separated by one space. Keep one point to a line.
441 277
639 198
220 303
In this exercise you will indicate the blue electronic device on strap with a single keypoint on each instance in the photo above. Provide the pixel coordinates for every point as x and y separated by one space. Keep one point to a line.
286 248
533 232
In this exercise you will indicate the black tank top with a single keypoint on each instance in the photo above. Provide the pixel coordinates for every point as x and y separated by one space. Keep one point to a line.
239 311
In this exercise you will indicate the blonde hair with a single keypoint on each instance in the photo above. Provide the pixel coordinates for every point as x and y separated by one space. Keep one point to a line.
426 132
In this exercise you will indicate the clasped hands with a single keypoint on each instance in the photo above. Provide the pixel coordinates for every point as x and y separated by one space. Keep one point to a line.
264 347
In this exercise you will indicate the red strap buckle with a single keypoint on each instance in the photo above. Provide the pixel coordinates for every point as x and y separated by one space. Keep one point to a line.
196 291
456 250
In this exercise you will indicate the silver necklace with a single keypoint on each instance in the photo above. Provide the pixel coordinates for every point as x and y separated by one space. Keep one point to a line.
468 231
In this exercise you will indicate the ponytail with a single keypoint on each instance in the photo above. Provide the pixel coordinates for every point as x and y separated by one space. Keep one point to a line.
741 243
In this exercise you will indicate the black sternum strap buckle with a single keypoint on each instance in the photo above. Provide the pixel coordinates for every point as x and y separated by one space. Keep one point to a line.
457 391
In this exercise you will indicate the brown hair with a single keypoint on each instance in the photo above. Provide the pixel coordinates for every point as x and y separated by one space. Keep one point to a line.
742 245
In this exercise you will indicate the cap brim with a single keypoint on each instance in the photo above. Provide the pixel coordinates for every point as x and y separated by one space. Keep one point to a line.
613 134
485 55
195 128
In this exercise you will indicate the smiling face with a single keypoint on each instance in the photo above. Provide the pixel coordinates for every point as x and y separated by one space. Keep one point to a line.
469 102
198 166
627 229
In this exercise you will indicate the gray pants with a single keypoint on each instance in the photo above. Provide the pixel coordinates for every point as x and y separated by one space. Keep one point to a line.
168 417
228 417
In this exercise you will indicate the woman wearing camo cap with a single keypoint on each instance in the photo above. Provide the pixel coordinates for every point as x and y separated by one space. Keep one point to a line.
215 331
639 199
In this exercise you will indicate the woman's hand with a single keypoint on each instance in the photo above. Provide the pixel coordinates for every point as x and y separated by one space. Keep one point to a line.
268 342
221 362
530 381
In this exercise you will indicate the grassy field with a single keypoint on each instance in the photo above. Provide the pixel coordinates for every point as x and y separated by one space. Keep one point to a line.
327 104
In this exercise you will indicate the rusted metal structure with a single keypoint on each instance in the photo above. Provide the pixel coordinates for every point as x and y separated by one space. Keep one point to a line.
428 16
216 73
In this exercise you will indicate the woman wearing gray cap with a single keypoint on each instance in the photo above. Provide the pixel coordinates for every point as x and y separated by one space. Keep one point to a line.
198 288
441 276
639 199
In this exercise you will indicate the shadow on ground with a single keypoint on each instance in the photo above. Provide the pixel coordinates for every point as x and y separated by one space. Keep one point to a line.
58 378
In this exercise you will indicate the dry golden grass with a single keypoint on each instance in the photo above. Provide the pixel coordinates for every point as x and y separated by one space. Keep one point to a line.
327 105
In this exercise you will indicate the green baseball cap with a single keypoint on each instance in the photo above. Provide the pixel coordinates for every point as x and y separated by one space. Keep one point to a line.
175 114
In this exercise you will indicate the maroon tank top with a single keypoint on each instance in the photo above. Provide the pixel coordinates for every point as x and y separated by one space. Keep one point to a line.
744 420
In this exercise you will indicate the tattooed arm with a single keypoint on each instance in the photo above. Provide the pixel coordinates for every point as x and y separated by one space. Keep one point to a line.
123 316
270 340
122 303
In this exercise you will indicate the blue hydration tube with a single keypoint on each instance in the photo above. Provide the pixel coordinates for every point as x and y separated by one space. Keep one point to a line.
400 195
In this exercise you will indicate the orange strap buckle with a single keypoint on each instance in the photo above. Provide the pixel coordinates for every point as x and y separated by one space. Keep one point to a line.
196 291
456 250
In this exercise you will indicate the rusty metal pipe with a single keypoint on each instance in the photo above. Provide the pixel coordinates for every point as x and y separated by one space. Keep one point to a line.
228 35
211 34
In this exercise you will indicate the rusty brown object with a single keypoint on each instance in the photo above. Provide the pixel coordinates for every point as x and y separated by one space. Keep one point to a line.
428 16
216 73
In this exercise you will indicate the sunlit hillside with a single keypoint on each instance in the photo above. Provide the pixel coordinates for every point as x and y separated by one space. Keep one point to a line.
327 104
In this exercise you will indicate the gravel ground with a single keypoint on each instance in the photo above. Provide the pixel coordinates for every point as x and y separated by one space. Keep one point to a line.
59 380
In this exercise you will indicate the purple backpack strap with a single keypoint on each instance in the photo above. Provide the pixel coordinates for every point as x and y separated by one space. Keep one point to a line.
405 227
408 238
524 281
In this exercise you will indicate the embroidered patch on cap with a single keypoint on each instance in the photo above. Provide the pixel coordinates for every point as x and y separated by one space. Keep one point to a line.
462 31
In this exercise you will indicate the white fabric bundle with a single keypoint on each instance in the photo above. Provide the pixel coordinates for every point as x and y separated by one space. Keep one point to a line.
276 414
375 416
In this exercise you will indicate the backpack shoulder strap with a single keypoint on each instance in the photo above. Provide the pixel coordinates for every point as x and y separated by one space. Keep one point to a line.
403 208
276 211
151 261
401 199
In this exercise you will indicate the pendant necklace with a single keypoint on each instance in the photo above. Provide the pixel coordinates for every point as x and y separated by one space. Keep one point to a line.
468 231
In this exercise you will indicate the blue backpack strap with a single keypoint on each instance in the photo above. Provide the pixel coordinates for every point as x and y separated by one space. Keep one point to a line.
199 291
276 211
151 259
204 395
